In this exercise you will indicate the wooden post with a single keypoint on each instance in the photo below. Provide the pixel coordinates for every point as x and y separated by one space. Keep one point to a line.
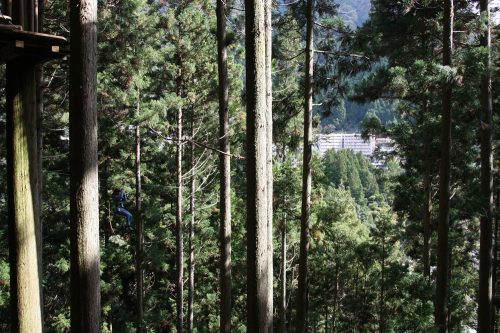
23 197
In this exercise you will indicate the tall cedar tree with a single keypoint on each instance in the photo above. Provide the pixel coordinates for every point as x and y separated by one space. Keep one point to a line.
259 288
485 310
192 210
139 241
84 187
179 228
269 148
307 174
442 279
224 173
23 184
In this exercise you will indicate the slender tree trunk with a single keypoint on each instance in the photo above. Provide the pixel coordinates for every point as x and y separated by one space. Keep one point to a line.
38 18
335 294
307 176
192 209
495 257
283 276
269 126
259 307
105 197
442 280
485 304
139 234
326 319
427 203
85 290
179 227
225 174
382 290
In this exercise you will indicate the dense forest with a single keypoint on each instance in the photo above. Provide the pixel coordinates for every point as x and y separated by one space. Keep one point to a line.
158 172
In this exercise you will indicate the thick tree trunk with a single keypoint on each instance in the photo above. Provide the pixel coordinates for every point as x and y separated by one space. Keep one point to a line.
442 280
139 234
269 126
485 305
192 209
259 289
225 174
23 193
179 226
283 276
24 177
306 176
85 290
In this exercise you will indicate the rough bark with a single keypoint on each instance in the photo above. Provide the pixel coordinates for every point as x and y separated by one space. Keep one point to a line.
24 177
269 153
306 175
283 276
192 209
426 255
23 192
179 229
84 188
38 26
442 279
259 309
139 235
485 305
225 174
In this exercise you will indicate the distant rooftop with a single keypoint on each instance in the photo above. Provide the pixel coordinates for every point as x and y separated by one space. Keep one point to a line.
354 142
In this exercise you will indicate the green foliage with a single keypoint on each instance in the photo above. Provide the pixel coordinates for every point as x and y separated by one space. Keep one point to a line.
382 76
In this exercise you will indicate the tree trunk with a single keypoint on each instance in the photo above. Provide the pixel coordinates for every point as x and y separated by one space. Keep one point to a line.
485 305
139 234
442 281
225 174
85 290
326 318
283 276
335 293
23 178
38 18
23 192
426 255
179 227
269 162
495 259
259 289
382 290
306 176
192 209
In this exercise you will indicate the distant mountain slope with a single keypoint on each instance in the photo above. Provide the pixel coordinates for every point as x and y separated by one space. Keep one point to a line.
355 11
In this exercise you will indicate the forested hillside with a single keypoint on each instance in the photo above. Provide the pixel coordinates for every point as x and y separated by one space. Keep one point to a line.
157 172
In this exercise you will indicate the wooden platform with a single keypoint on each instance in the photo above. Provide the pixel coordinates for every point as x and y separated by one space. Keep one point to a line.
16 43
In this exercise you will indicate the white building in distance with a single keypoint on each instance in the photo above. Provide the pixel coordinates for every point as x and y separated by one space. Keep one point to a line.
354 142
